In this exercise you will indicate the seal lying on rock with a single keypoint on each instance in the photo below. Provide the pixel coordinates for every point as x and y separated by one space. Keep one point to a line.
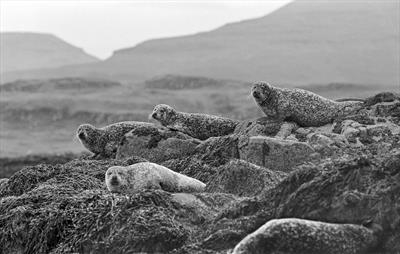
306 236
147 175
200 126
300 106
104 141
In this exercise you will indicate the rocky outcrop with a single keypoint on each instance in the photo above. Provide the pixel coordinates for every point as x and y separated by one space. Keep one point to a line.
339 183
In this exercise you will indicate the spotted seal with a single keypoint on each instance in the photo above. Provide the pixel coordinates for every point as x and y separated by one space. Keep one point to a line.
301 236
103 142
300 106
147 175
196 125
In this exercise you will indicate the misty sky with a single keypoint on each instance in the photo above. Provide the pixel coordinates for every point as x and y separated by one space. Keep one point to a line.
100 27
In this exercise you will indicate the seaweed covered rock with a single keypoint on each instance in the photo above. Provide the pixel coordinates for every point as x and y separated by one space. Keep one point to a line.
88 222
345 190
208 156
243 178
66 208
156 144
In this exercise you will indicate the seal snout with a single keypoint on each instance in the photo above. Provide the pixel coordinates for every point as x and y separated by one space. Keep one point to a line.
114 180
256 94
153 115
82 135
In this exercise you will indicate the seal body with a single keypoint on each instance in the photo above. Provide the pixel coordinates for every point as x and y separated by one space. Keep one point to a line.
300 106
104 141
147 175
196 125
307 237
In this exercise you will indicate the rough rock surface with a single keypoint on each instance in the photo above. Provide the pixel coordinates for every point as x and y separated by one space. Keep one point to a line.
276 154
66 208
156 144
242 178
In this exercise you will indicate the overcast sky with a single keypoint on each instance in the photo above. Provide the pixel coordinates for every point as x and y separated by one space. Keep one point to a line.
100 27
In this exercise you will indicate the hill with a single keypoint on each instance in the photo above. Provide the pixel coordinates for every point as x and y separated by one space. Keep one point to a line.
304 42
24 51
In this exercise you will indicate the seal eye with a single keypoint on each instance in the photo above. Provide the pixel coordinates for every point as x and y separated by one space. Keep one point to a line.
82 135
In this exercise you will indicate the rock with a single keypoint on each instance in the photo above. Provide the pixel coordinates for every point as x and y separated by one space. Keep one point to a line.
306 236
66 208
381 97
220 149
361 134
243 178
286 129
156 144
208 156
326 143
301 133
276 154
262 126
388 109
71 200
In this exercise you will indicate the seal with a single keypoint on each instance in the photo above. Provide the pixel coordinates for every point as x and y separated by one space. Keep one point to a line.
305 108
147 175
103 142
196 125
306 236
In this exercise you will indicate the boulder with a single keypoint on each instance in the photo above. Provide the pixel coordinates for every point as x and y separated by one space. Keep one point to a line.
262 126
156 144
242 178
360 134
388 109
381 97
276 154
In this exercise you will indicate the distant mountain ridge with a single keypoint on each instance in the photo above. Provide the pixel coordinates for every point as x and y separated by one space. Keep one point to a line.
302 43
25 51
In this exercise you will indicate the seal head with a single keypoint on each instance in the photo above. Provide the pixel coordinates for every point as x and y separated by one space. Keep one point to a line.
89 136
264 96
164 114
116 179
